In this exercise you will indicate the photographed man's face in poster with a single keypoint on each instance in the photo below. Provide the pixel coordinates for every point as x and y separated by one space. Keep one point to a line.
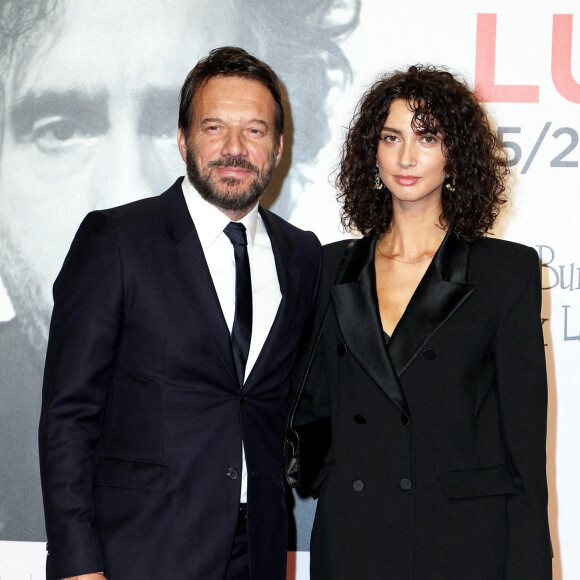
91 123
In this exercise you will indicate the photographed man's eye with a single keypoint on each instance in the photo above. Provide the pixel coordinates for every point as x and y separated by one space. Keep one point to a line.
54 134
59 122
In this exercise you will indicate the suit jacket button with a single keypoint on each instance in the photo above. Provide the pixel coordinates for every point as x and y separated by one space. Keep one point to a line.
243 400
341 350
404 419
360 419
358 484
405 484
429 354
232 473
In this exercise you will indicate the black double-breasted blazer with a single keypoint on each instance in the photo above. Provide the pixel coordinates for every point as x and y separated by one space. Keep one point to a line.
437 464
142 416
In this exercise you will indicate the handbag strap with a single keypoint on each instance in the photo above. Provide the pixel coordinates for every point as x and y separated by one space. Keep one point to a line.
318 335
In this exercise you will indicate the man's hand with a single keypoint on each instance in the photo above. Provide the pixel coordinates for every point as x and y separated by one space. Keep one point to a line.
95 576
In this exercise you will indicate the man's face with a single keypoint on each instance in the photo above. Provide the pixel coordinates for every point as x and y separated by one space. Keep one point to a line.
91 114
231 148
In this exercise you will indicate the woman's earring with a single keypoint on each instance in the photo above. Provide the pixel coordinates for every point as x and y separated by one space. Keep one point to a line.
378 181
450 184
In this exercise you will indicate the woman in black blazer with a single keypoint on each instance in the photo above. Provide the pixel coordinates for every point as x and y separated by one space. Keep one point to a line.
429 358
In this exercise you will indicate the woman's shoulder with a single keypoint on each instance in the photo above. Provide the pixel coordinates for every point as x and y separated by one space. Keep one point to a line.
334 251
496 248
500 258
337 256
334 258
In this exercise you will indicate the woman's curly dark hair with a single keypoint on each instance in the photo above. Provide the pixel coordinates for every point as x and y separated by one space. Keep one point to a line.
476 160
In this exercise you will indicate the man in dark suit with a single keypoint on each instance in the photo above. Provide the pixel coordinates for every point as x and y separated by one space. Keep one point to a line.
73 139
170 346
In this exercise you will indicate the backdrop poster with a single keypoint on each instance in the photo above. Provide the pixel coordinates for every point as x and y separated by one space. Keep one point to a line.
62 155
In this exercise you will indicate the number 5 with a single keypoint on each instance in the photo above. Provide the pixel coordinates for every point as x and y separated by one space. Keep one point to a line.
511 144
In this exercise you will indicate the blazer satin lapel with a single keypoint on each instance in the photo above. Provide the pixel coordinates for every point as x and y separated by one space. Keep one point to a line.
289 280
357 311
440 293
190 267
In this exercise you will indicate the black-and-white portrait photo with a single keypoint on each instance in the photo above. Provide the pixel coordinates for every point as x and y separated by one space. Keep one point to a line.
89 100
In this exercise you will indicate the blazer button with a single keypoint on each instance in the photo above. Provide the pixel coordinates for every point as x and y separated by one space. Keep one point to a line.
404 419
429 354
232 473
360 419
358 484
405 484
243 400
341 350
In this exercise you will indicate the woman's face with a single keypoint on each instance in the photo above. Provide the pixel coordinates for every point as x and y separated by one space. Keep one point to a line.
411 165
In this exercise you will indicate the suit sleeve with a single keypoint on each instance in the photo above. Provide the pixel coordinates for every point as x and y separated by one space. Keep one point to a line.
313 403
84 333
522 392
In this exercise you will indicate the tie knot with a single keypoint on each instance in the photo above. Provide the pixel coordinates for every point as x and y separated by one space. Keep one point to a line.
236 232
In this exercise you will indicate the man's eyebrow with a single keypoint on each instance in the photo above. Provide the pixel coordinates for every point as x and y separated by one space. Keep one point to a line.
207 120
92 110
255 121
260 122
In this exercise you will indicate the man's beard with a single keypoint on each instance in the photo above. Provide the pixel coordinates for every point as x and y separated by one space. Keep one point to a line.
229 196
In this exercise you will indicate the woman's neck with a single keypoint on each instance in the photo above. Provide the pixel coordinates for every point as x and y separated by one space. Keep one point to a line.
412 236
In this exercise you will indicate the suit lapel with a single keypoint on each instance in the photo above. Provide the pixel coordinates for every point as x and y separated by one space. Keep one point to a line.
289 280
357 312
187 261
439 294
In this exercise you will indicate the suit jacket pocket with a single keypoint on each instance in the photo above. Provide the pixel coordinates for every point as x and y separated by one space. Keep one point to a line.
481 482
131 474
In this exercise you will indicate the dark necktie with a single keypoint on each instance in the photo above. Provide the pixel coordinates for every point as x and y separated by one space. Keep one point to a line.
242 328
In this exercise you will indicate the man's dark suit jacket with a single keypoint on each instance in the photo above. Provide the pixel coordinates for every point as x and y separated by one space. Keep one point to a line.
437 468
142 416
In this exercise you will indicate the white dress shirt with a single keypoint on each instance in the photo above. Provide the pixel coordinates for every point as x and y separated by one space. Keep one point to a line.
210 222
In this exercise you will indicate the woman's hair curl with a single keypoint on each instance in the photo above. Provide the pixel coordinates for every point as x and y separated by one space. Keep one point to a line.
476 166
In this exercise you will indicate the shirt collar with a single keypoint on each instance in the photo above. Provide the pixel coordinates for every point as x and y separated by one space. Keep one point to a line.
210 221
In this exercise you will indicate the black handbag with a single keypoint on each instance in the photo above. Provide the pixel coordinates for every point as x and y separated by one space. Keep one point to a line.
306 446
